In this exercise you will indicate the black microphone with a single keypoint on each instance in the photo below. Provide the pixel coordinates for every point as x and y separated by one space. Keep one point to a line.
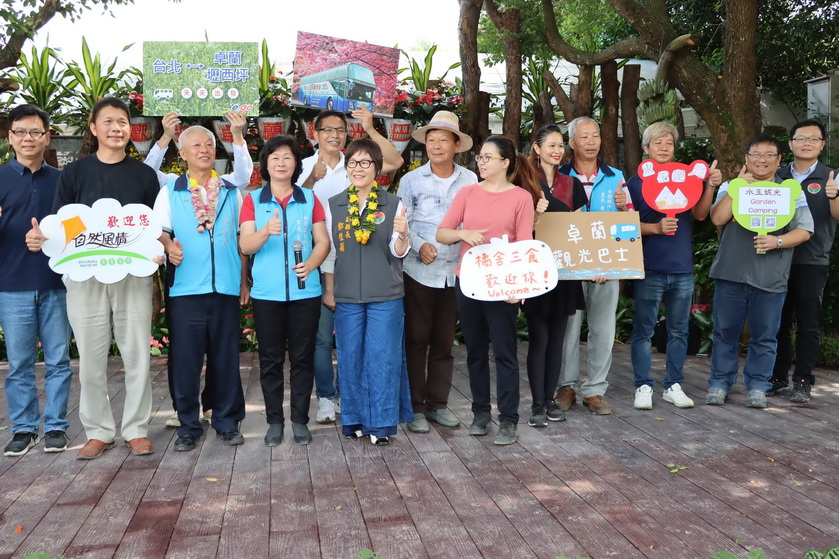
297 247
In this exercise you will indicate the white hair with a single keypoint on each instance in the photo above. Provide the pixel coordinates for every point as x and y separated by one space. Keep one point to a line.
572 126
192 130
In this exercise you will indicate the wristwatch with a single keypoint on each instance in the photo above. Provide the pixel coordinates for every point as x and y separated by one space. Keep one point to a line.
780 242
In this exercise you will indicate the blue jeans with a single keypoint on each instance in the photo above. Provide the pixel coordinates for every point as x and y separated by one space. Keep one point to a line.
325 382
735 302
25 315
676 290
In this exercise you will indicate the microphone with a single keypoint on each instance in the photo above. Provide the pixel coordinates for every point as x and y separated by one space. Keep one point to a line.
297 247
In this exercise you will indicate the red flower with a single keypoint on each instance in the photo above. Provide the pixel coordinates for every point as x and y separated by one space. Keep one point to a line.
403 96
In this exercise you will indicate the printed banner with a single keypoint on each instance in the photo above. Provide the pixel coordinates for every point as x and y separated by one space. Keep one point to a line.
340 75
107 241
200 79
590 244
501 270
763 206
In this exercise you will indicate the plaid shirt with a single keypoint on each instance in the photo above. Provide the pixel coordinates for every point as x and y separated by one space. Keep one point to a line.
428 200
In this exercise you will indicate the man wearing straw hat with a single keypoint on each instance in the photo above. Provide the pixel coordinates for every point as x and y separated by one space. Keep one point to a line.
430 307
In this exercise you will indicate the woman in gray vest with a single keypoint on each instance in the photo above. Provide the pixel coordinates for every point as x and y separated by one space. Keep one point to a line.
370 234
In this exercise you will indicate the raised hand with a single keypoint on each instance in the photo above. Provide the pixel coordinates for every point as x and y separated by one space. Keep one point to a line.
620 198
541 205
831 189
400 223
176 252
34 237
275 225
714 176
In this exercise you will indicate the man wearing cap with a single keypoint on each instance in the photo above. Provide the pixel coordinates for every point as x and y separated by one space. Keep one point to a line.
430 306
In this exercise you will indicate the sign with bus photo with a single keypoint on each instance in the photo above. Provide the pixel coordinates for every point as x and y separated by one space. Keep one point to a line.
200 78
342 75
107 241
763 206
586 245
672 188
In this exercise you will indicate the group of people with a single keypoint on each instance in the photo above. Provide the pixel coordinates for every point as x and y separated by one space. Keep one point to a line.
322 249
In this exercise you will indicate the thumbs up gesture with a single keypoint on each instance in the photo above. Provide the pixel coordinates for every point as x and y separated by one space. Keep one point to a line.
714 176
400 223
831 189
319 170
275 225
35 238
541 205
620 198
175 250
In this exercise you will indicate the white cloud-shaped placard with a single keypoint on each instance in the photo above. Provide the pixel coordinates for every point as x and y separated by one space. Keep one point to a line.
501 270
107 241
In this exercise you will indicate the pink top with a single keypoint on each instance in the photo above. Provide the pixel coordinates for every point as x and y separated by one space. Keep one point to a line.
508 213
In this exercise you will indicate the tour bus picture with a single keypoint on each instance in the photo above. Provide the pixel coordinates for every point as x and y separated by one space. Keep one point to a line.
624 231
342 88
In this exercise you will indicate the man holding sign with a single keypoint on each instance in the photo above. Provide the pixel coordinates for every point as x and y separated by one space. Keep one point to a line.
752 270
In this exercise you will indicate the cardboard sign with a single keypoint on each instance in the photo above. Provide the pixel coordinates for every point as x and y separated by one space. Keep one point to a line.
590 244
341 75
672 188
501 270
763 206
200 79
107 241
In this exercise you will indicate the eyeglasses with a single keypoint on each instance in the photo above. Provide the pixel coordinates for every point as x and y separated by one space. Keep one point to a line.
363 163
328 130
485 158
762 155
36 134
802 140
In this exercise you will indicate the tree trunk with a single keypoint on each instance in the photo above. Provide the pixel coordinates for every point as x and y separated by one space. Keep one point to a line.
507 23
632 153
474 120
609 126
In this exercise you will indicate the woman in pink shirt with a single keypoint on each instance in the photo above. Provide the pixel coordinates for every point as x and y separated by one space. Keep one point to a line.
494 207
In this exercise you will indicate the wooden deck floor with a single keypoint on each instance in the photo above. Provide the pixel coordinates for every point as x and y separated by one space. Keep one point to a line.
592 486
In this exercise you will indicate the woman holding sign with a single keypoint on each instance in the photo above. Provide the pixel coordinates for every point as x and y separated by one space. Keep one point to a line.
547 315
370 234
283 227
494 207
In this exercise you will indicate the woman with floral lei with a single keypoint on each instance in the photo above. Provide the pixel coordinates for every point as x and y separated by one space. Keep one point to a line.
370 234
279 221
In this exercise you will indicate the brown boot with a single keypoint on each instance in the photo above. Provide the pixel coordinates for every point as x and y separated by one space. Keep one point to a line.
565 398
598 405
93 449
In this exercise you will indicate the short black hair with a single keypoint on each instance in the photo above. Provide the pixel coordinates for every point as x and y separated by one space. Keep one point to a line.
273 144
795 127
765 139
23 111
369 147
327 114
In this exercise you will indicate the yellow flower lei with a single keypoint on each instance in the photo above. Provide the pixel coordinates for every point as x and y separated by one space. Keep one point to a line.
364 225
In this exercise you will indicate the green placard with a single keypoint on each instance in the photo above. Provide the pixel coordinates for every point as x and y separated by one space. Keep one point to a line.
763 206
200 79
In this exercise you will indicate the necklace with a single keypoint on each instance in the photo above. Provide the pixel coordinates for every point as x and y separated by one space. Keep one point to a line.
364 224
204 202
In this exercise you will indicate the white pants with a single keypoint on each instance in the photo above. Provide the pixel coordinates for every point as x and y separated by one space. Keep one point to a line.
93 308
601 304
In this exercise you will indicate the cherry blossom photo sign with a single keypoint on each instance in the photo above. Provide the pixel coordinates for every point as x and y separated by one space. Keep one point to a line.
672 188
501 270
586 245
107 241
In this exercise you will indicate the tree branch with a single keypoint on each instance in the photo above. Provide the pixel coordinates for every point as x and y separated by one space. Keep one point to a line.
10 53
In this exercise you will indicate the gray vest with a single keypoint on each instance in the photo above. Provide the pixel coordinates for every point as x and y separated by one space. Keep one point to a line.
365 273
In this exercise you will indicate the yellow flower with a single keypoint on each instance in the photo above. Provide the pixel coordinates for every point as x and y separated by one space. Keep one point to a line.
355 222
372 206
371 218
353 198
353 210
373 196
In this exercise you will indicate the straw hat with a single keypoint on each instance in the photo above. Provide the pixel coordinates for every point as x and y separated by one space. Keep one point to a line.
444 120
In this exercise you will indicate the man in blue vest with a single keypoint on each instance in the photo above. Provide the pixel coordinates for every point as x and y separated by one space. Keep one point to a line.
207 282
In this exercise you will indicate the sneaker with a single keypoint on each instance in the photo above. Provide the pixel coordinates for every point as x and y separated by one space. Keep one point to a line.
443 416
644 397
336 401
715 397
675 396
173 421
598 405
55 441
800 392
20 444
326 411
756 399
480 424
553 412
231 438
419 424
565 398
379 441
538 417
506 433
779 387
185 443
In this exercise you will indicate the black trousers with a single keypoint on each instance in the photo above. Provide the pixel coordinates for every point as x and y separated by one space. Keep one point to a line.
292 324
206 398
803 306
480 321
430 320
206 324
544 354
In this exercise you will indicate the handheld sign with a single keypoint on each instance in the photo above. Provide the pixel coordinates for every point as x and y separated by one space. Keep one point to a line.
501 270
107 241
763 206
672 188
586 245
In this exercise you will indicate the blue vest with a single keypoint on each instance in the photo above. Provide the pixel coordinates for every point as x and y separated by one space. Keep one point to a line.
211 259
273 278
602 197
